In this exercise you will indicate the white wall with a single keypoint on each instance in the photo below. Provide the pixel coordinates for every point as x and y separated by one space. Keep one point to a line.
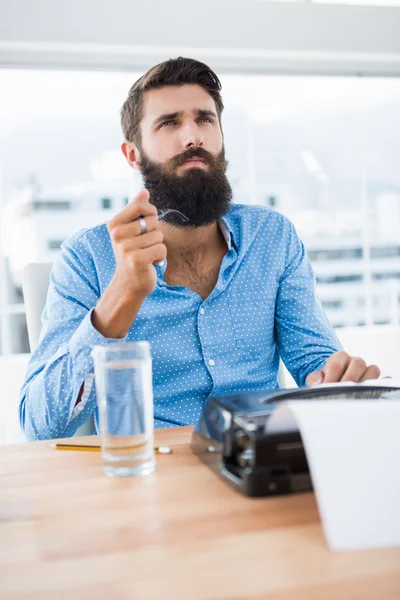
12 375
232 35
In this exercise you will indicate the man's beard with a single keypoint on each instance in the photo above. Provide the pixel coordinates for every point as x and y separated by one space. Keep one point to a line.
201 195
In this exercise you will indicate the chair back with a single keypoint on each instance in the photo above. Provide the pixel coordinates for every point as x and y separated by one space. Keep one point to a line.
35 283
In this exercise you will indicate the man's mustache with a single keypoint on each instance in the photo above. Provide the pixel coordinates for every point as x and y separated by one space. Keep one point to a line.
190 153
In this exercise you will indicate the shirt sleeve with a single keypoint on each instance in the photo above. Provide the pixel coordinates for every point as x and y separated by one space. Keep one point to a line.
305 337
62 362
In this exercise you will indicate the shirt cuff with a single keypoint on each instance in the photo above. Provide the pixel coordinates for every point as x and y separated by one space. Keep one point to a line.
82 342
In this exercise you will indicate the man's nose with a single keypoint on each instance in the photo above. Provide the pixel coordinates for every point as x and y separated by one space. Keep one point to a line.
192 136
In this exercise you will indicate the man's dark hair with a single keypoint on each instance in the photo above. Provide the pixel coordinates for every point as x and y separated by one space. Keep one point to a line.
175 71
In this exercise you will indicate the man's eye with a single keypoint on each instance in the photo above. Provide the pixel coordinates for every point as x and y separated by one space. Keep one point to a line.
207 119
168 123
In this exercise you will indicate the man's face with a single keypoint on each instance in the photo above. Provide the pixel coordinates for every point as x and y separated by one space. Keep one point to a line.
181 155
176 118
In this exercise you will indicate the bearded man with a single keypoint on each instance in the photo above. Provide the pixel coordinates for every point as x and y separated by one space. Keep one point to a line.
221 297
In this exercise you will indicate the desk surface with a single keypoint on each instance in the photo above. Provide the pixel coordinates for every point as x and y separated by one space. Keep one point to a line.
68 531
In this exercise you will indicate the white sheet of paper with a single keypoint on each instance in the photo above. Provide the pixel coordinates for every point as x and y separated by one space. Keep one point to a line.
353 452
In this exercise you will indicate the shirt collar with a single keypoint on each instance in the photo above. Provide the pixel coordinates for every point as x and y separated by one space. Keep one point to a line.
227 232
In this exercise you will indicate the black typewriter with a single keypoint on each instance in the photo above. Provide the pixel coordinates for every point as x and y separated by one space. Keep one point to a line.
234 439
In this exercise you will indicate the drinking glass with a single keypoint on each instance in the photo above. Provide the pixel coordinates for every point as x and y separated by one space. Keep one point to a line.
123 375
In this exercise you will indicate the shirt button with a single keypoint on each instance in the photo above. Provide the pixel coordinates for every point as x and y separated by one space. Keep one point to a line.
211 362
162 263
202 311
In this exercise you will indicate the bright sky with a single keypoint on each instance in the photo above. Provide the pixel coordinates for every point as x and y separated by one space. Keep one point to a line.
29 95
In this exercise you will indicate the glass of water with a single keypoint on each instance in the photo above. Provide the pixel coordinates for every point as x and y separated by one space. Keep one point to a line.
123 375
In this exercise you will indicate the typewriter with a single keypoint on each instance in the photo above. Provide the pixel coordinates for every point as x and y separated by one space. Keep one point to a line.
237 438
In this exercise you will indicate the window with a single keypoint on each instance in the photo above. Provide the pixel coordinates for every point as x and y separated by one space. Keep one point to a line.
385 252
338 254
323 151
106 203
49 205
54 244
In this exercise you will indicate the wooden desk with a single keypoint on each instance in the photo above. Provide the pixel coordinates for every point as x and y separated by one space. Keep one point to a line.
68 531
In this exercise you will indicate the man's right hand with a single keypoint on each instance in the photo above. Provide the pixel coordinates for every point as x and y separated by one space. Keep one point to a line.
135 276
135 253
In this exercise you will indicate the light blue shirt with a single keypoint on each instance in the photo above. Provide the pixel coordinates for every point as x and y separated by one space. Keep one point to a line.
263 307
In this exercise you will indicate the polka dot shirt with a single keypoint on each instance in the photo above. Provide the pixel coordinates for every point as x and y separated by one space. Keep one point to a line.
263 307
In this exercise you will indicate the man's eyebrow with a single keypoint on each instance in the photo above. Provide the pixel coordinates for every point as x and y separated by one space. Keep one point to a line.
167 117
205 113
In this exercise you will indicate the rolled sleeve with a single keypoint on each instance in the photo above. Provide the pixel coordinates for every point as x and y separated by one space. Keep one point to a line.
82 342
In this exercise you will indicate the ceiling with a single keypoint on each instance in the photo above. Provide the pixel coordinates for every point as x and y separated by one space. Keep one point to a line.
249 36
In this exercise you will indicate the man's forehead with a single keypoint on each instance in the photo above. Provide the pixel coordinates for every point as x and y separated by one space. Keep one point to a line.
176 98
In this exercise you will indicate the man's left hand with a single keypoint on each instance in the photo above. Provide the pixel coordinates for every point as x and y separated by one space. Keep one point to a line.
342 367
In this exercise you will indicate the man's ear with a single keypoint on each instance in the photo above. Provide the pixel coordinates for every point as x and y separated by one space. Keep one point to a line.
131 153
